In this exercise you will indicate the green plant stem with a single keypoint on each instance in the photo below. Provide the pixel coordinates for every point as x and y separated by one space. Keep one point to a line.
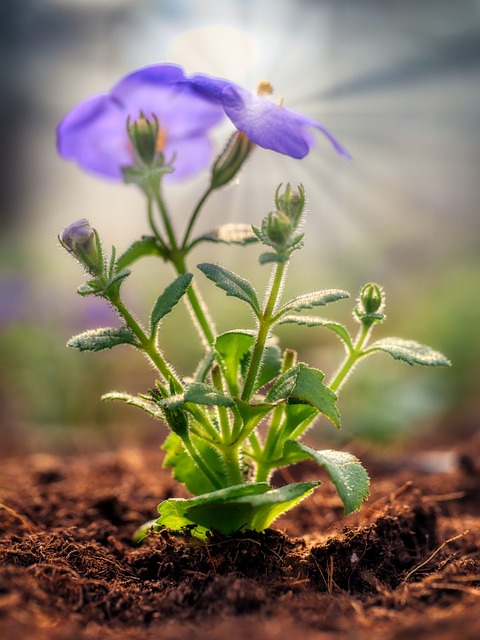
165 218
265 323
197 305
193 219
147 345
352 358
153 226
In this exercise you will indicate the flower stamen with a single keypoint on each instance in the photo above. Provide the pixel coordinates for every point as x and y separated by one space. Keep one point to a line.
264 88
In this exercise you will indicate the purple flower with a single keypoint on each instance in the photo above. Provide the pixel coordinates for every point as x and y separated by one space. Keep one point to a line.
265 123
94 133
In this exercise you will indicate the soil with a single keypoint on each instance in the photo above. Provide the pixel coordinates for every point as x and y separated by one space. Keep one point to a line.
407 566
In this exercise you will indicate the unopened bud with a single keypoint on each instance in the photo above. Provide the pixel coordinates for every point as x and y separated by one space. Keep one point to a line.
279 228
291 202
83 242
370 303
230 161
144 134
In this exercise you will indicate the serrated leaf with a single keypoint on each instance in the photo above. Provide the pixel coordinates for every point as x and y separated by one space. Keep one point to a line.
314 299
169 298
345 470
198 393
304 384
313 321
241 507
146 405
184 469
145 247
105 338
232 284
232 347
241 234
410 351
174 512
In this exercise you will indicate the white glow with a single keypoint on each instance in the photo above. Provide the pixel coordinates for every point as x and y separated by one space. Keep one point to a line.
217 49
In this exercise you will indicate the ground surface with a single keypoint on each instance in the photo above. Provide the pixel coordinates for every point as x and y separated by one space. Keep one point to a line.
406 567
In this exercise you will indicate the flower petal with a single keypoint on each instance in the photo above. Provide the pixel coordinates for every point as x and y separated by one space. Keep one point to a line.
191 156
162 90
272 126
94 134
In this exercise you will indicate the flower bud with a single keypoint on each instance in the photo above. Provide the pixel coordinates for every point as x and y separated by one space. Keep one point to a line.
144 135
278 229
230 161
371 303
83 242
291 202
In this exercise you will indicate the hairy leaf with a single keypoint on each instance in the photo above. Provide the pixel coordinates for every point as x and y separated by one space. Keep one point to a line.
410 351
232 347
241 507
145 247
232 284
169 298
185 470
314 299
313 321
198 393
345 470
99 339
304 384
140 402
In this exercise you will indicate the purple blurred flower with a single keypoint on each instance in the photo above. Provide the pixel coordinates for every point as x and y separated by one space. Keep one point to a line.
94 133
265 123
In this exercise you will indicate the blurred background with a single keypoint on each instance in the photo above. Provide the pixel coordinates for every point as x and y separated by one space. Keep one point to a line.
398 83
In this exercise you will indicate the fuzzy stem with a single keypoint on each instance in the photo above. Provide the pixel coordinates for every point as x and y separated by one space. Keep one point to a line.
265 322
351 359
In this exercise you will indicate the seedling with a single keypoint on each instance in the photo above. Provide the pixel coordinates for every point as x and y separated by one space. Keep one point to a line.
243 412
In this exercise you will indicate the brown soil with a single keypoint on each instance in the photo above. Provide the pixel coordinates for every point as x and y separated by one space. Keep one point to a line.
406 567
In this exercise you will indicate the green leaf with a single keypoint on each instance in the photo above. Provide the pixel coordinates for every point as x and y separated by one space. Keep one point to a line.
313 321
345 470
240 234
99 339
140 402
232 347
232 284
314 299
296 420
204 366
252 414
169 298
248 506
271 365
184 469
145 247
304 384
410 351
198 393
113 285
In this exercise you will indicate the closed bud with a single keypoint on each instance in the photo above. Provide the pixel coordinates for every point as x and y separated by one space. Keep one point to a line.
371 303
230 161
83 242
145 135
291 202
279 229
